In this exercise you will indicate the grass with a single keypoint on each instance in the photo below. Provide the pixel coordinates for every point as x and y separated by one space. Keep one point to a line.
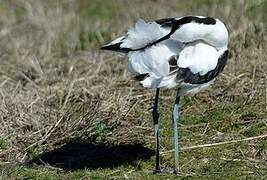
70 111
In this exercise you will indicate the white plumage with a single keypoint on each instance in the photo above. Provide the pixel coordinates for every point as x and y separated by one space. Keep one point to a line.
142 34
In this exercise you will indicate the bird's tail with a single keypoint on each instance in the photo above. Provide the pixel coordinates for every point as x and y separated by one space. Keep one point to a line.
138 37
116 46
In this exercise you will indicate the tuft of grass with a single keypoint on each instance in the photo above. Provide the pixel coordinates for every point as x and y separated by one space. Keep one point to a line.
262 146
3 144
100 132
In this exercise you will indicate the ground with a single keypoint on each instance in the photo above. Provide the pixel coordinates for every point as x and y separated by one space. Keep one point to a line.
71 111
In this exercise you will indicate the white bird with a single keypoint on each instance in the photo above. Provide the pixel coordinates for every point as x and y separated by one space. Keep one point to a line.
184 52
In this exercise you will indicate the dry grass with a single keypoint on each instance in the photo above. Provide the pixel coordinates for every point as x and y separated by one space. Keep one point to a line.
57 87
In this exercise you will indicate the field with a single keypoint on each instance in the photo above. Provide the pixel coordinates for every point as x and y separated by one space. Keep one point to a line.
71 111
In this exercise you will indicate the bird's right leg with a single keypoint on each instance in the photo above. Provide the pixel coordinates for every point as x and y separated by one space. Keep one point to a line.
175 116
155 116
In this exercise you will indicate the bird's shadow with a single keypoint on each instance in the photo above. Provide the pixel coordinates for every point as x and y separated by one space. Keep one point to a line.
87 155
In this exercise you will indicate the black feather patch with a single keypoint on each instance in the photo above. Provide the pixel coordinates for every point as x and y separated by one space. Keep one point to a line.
141 77
173 64
189 77
166 22
176 23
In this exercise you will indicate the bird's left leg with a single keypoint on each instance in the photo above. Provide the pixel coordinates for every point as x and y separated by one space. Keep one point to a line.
155 115
175 117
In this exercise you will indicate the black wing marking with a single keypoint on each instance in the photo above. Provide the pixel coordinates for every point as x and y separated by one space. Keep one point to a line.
189 77
116 47
166 22
173 22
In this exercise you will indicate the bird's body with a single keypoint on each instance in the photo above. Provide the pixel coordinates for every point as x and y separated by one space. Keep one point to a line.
186 52
190 56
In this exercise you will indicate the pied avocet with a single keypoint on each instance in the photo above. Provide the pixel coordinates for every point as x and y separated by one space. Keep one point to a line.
183 52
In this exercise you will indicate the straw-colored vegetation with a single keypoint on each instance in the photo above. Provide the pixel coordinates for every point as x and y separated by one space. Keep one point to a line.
69 111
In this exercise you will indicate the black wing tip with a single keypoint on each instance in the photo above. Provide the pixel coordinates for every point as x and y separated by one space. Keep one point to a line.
111 47
116 47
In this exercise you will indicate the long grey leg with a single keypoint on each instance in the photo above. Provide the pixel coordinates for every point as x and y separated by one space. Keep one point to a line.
175 116
155 115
